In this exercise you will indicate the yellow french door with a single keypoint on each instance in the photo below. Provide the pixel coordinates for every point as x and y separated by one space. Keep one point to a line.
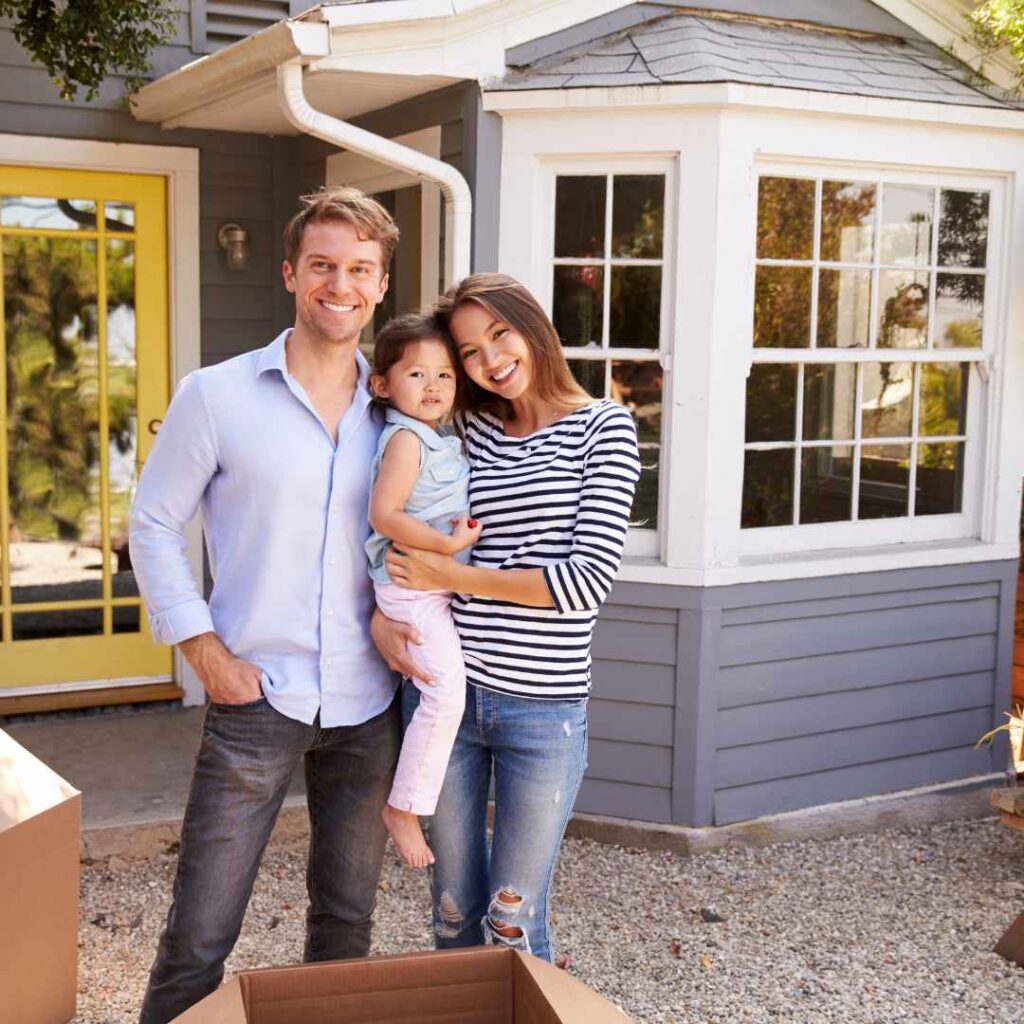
83 386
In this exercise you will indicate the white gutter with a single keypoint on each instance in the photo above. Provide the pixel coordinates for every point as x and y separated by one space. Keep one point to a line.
458 200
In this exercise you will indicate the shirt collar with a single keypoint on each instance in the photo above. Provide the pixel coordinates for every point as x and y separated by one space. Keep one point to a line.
273 358
428 435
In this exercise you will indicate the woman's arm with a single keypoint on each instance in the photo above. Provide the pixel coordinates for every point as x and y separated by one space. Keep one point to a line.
426 570
398 471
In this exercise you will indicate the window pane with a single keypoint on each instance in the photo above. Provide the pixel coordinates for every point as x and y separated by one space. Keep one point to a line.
844 308
638 386
782 307
53 426
940 478
884 481
119 216
887 400
959 302
127 619
943 411
50 214
590 374
122 450
48 625
635 310
579 215
826 488
785 218
902 309
771 402
963 228
638 215
830 397
907 224
577 305
847 221
767 488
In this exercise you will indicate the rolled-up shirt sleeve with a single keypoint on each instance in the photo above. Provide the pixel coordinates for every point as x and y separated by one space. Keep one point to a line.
611 469
181 464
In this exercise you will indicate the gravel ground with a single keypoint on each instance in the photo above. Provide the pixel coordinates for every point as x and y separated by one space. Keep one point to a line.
872 929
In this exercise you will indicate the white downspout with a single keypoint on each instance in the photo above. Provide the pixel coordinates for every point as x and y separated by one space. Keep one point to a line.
458 200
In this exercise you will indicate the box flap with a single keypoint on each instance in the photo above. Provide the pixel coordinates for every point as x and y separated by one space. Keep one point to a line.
456 987
27 786
225 1006
569 999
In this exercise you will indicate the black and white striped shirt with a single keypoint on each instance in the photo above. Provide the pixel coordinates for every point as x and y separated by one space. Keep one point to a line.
558 499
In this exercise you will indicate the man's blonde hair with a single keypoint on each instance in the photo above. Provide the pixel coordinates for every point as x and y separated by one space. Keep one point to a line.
342 203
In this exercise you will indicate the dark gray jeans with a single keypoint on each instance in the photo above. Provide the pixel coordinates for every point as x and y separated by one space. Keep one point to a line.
247 756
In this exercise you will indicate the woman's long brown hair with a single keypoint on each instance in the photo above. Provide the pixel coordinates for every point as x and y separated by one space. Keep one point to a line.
511 302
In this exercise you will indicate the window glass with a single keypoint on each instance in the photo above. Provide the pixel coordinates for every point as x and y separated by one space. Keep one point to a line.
830 399
959 303
577 305
826 483
580 216
638 215
884 481
768 488
847 222
771 402
844 308
785 219
963 228
907 224
782 307
48 214
902 309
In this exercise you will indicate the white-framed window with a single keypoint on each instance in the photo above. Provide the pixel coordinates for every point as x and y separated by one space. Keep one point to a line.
872 330
606 266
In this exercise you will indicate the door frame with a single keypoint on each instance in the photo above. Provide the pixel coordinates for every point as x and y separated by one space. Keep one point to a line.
180 166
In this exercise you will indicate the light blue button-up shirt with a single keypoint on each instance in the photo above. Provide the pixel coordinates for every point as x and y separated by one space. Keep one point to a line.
284 514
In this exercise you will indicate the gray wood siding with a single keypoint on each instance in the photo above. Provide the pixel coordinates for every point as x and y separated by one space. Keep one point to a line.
631 731
840 695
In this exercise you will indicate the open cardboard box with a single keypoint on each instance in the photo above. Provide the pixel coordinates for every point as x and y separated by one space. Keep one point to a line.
40 828
486 985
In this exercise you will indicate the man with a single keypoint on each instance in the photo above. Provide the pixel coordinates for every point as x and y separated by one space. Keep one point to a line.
275 446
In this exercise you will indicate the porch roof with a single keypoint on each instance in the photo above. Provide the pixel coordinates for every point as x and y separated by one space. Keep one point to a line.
685 47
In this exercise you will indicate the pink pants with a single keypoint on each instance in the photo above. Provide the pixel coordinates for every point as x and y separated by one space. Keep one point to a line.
431 733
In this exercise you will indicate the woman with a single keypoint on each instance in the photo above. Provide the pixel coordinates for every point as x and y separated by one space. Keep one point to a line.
552 478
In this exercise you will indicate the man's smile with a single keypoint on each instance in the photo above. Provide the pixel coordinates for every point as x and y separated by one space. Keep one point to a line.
335 307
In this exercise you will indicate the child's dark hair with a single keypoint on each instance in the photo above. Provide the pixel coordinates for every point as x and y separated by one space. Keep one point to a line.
402 331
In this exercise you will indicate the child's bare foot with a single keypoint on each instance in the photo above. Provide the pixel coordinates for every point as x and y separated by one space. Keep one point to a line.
406 834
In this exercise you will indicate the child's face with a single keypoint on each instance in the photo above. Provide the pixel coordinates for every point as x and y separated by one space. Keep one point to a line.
421 384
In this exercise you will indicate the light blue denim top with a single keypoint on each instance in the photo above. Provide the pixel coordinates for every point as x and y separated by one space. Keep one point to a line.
441 491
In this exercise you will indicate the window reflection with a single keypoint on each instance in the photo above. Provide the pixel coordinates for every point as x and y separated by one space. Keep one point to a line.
884 481
844 308
635 308
887 401
907 224
771 403
48 214
767 488
902 309
578 305
959 304
943 407
940 478
830 399
53 427
782 307
785 218
826 484
638 215
580 215
963 228
847 222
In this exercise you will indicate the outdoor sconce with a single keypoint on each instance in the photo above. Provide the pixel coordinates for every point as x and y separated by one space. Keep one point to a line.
234 240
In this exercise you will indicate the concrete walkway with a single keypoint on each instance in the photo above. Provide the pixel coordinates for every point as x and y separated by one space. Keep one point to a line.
133 767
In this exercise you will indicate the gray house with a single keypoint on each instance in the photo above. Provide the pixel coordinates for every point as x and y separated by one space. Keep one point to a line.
788 235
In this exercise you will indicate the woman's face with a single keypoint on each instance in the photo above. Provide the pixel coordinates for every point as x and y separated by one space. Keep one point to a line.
492 353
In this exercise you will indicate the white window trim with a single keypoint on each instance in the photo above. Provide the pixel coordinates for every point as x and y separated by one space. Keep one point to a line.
180 166
640 543
978 482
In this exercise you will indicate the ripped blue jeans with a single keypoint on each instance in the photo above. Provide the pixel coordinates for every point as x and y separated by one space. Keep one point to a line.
537 751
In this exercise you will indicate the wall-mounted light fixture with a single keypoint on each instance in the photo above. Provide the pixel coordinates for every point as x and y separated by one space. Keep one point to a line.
234 240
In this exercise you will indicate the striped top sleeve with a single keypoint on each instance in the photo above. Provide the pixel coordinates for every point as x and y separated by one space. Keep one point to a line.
558 500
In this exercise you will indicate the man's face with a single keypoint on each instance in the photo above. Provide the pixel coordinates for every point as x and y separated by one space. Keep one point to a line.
337 280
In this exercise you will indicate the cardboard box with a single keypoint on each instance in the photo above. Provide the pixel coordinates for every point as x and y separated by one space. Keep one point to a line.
40 833
486 985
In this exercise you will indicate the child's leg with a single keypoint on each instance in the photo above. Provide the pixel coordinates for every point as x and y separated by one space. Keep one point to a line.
431 733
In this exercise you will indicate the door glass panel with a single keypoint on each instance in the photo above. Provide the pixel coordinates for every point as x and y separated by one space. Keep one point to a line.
119 216
122 415
51 625
127 619
52 355
48 214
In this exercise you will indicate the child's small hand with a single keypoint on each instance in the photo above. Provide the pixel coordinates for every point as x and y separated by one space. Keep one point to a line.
466 533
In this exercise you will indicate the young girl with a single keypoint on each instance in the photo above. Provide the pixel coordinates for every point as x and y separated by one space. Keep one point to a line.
420 499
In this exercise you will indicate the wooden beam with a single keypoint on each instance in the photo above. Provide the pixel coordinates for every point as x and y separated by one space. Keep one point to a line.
63 701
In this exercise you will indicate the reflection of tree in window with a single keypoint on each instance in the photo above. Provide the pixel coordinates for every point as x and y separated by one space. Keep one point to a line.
905 311
53 389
